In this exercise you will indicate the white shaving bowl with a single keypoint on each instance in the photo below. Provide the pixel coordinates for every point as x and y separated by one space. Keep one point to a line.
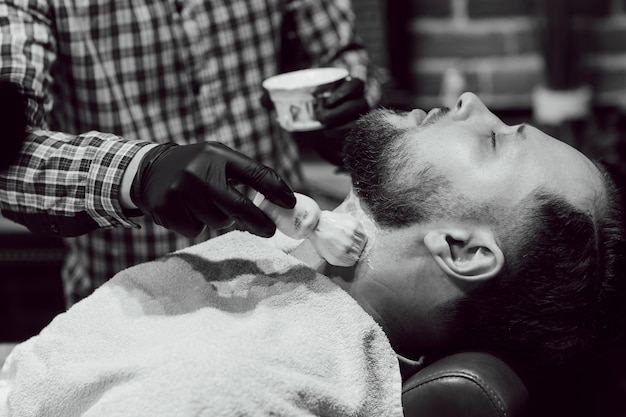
294 95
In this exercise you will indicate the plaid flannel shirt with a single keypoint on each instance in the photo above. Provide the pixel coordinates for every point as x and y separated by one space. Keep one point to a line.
105 78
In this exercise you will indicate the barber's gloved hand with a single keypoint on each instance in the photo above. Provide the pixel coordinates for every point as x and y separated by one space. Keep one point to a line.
185 187
338 112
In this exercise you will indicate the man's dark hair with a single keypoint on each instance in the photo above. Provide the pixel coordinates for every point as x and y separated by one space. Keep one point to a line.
561 290
561 294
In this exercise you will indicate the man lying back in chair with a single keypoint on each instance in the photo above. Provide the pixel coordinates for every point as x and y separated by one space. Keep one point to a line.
484 234
480 235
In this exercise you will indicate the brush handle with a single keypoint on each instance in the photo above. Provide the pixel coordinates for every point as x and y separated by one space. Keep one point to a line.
297 223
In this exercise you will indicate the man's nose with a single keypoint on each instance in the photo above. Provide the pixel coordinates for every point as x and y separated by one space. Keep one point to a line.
468 105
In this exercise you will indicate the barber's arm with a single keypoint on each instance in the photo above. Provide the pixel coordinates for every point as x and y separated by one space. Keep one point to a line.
330 40
69 184
55 183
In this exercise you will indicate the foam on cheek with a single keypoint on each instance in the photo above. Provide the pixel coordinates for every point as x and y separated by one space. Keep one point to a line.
372 231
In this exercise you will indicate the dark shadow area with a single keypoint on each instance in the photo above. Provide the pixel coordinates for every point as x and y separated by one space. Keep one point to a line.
595 385
30 284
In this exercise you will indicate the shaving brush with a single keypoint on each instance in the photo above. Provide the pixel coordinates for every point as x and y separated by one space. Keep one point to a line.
337 237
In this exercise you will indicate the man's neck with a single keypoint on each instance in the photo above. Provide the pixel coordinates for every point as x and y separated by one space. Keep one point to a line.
339 275
345 278
348 280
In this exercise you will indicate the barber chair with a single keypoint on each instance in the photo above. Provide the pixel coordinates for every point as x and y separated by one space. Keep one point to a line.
464 384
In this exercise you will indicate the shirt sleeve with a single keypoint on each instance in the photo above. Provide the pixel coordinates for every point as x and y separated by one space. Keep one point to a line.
60 184
326 29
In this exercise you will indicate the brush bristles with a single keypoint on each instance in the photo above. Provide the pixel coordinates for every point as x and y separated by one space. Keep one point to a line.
339 238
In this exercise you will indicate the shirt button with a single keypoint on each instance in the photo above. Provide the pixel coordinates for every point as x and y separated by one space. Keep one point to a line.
55 228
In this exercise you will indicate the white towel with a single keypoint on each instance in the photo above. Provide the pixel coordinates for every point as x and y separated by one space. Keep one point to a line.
230 327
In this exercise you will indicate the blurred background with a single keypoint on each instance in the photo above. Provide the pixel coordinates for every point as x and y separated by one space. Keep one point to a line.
559 64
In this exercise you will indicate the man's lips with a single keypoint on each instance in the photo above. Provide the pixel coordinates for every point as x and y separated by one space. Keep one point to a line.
431 114
422 118
419 115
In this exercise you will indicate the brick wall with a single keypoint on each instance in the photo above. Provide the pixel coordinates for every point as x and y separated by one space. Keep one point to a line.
493 43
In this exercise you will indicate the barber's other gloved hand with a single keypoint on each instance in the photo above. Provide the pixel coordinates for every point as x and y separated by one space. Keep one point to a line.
185 187
338 112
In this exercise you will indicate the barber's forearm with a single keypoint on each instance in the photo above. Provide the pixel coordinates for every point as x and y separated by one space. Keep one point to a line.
86 193
129 175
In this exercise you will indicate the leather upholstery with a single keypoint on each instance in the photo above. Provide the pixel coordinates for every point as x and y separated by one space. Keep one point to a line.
465 384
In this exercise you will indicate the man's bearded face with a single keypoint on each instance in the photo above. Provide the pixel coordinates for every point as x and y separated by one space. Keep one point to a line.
396 187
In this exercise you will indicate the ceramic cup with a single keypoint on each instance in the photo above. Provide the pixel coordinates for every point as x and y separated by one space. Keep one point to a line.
295 93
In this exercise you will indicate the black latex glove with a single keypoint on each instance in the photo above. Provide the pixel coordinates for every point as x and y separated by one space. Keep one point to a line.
338 112
185 187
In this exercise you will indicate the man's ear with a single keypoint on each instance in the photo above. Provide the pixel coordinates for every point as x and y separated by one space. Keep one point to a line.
468 255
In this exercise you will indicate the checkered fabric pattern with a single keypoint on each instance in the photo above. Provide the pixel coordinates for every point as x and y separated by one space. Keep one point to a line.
105 78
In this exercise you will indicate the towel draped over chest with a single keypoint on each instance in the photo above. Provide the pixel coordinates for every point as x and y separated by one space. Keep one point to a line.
229 327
